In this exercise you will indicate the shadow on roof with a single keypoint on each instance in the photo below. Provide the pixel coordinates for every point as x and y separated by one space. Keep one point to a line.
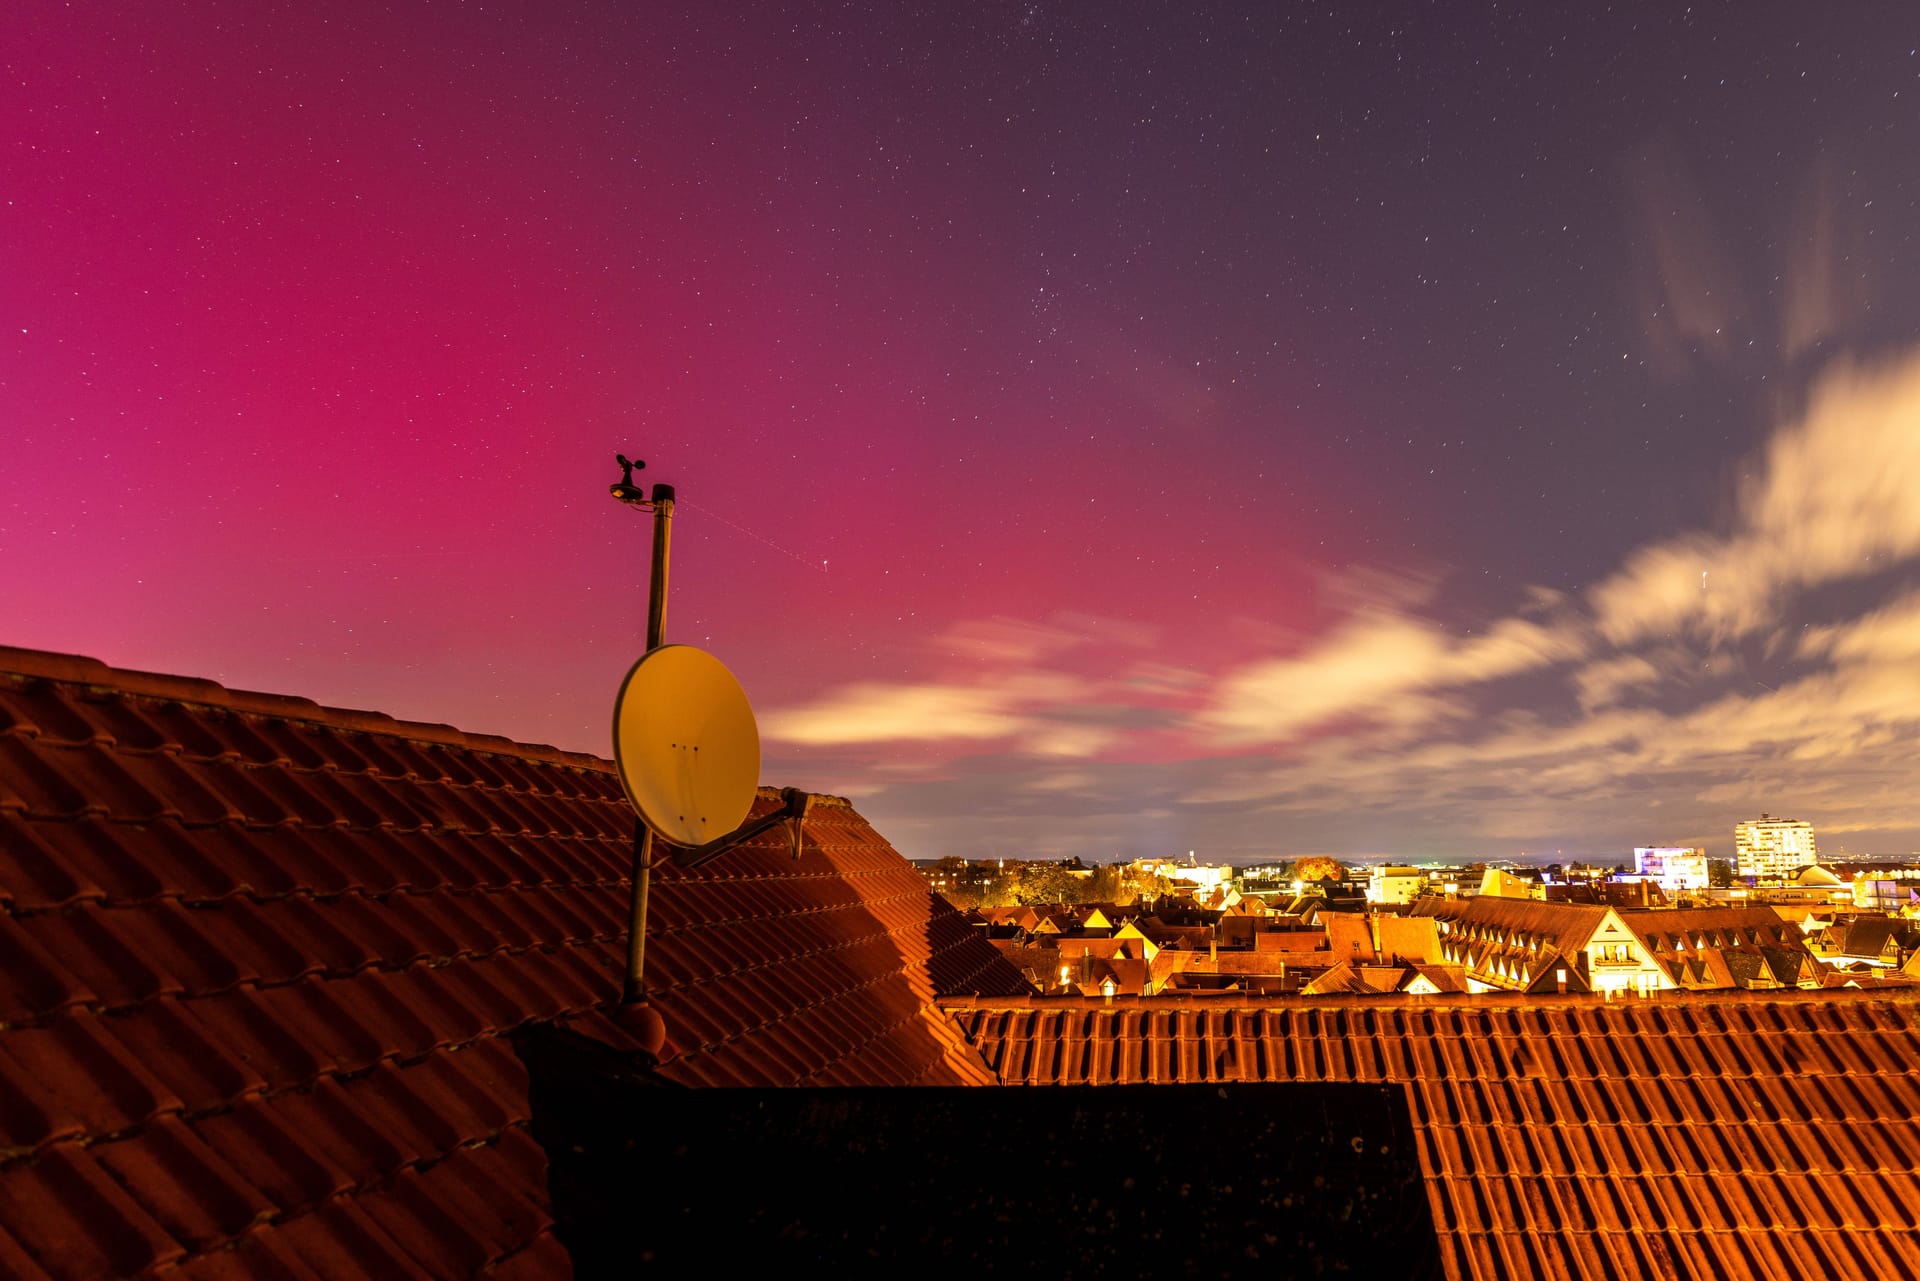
1268 1181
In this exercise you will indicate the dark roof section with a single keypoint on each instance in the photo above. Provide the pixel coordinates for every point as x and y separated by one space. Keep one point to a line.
963 1182
1773 1134
258 957
1868 936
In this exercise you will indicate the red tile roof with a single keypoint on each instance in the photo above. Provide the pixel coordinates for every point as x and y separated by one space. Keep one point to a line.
1411 938
1567 927
258 957
1772 1134
1349 935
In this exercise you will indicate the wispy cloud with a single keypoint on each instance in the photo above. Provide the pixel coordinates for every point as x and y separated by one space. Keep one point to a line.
1665 696
879 713
1836 496
1375 666
1688 296
1602 683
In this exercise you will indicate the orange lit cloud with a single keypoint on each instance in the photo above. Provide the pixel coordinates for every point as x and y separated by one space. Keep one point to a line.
1374 666
878 713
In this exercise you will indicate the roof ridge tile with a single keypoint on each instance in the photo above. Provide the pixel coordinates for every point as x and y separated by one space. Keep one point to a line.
97 677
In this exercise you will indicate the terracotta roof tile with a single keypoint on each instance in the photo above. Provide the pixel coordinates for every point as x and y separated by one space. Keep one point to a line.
33 983
341 1239
188 1187
31 874
258 957
78 1221
1571 1136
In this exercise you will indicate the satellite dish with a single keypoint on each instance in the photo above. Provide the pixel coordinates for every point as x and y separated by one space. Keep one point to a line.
686 745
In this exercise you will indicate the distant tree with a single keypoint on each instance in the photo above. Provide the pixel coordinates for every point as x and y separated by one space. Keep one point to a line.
1045 883
1106 885
1319 868
1144 886
966 895
1558 871
961 883
1719 873
999 890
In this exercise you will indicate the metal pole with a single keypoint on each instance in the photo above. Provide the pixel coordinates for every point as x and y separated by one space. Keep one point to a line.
657 597
636 987
635 992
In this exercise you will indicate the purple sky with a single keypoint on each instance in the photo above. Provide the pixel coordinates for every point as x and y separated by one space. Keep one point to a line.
1101 429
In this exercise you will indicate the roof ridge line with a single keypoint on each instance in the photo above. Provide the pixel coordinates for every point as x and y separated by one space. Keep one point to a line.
78 669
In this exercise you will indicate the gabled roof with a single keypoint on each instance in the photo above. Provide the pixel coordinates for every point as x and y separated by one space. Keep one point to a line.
1553 974
260 961
1385 978
1342 977
1016 915
1351 979
1502 941
1443 978
1684 928
1868 936
1757 1134
1573 922
1130 976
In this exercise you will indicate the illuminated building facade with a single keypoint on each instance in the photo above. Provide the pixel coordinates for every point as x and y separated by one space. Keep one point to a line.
1770 848
1674 867
1395 884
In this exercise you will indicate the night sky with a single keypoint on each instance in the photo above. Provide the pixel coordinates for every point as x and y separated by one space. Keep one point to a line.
1109 429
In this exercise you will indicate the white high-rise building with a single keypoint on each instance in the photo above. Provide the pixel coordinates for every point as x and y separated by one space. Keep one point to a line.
1773 849
1674 867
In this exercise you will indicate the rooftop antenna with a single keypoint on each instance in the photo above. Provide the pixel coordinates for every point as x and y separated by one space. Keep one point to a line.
688 753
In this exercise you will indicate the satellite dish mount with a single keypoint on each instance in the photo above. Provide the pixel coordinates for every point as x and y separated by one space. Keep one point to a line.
688 752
